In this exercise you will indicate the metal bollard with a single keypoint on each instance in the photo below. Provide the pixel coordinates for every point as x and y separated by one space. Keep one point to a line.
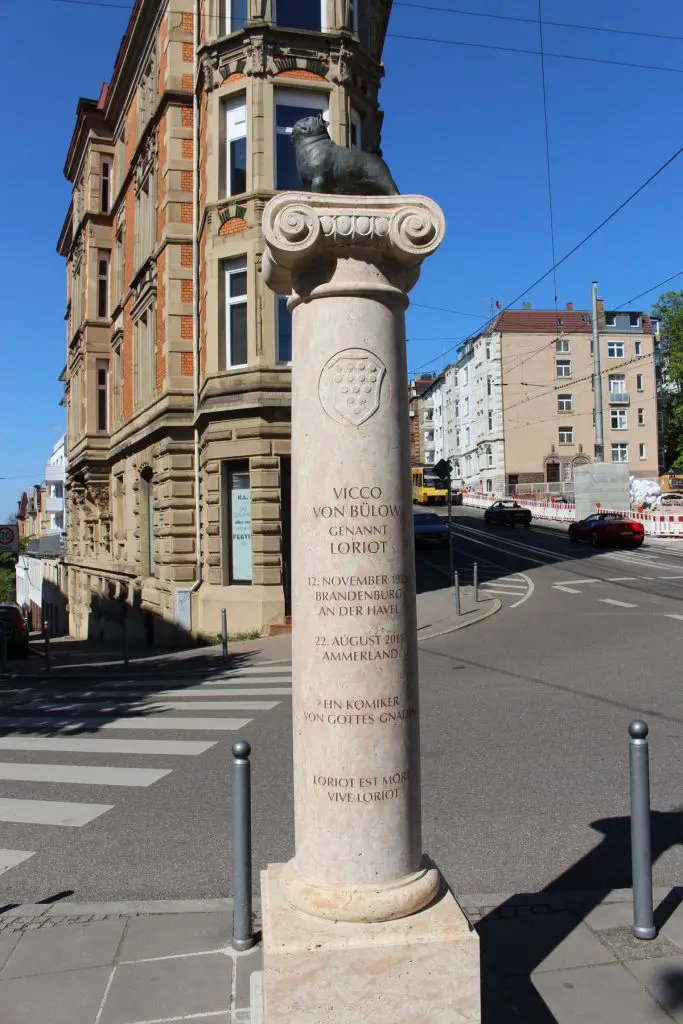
242 935
46 634
456 584
475 582
224 632
641 857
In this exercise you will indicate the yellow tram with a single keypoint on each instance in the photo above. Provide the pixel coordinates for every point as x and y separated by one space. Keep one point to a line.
428 488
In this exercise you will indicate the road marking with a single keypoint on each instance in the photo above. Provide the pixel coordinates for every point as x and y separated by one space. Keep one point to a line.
50 812
131 685
670 616
75 745
197 691
619 604
254 670
623 579
575 583
137 707
10 858
530 590
31 722
564 589
81 774
492 589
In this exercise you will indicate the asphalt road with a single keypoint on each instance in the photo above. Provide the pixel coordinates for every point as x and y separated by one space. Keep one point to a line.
524 742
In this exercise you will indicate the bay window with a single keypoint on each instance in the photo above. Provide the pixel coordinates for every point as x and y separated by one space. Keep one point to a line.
236 146
233 340
290 107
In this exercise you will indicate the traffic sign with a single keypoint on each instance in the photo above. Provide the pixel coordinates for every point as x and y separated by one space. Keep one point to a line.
443 469
9 538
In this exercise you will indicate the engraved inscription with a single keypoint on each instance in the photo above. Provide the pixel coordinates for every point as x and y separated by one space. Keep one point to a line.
350 386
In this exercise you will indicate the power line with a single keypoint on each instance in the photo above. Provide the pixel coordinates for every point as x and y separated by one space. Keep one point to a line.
443 309
652 289
568 382
532 21
547 153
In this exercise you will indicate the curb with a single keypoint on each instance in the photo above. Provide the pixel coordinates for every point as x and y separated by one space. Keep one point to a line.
497 605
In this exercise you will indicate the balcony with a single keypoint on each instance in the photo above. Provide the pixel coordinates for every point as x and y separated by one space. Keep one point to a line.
619 398
54 505
55 474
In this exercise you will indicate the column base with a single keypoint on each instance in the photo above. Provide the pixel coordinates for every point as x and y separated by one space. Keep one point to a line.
360 903
423 967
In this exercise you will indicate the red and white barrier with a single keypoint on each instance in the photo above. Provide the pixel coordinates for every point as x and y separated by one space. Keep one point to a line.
656 524
539 509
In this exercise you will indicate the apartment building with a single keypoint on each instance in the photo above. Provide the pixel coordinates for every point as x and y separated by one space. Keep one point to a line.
178 357
54 515
421 413
430 419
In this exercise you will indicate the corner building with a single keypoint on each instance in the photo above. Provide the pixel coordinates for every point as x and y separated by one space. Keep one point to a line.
178 356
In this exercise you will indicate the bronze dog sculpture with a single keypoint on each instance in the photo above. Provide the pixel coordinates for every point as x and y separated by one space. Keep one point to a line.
324 166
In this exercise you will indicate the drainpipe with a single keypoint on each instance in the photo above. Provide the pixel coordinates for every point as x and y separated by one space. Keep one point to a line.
195 292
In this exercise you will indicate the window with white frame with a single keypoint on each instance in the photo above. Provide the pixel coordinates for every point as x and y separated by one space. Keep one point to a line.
456 469
306 14
489 386
488 349
233 15
145 217
236 145
457 438
284 331
634 319
290 107
617 384
467 435
465 376
566 435
489 486
105 183
102 283
233 341
102 384
638 345
640 386
615 349
467 406
642 450
490 419
562 345
119 265
564 403
489 457
563 367
618 419
117 382
144 362
641 417
610 319
619 452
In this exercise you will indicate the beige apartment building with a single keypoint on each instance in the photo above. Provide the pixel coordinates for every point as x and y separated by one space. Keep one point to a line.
548 399
178 357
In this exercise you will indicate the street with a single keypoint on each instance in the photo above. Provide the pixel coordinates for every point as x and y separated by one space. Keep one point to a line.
121 790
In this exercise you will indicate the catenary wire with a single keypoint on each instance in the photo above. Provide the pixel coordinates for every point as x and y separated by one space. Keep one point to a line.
547 153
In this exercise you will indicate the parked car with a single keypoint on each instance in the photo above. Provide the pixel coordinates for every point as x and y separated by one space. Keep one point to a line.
507 513
560 499
671 500
13 625
605 528
430 528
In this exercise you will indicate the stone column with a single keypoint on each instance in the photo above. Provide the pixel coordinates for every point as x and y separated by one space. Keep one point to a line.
347 263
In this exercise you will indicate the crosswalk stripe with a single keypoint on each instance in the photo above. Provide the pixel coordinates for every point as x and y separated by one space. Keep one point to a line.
502 590
202 690
217 681
152 722
619 604
178 705
80 774
258 670
50 812
679 617
78 745
10 858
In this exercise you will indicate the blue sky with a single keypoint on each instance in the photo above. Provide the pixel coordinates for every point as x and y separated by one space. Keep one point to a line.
463 124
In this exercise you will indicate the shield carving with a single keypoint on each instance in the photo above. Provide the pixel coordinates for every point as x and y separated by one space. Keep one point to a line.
350 385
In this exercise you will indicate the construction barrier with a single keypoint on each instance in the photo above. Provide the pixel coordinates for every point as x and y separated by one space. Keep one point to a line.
656 524
539 509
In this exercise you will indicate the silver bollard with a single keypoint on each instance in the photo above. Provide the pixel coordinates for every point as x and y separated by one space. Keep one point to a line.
242 935
46 634
475 582
224 632
456 584
641 857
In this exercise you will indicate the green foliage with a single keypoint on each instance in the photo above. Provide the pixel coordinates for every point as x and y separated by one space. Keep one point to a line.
669 308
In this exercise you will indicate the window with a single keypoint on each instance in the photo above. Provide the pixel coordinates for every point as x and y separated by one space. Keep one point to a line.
610 319
352 22
117 383
284 331
615 349
634 319
638 348
236 146
489 457
290 107
145 218
144 337
641 417
467 435
465 377
105 184
563 367
307 14
147 546
102 369
456 469
488 349
467 407
639 382
567 471
489 486
617 384
490 419
76 297
119 266
618 419
562 345
233 14
233 349
488 386
429 414
102 283
564 403
457 439
429 436
566 435
642 451
356 130
457 409
619 453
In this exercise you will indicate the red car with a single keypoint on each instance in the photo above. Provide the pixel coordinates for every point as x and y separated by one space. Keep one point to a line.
605 528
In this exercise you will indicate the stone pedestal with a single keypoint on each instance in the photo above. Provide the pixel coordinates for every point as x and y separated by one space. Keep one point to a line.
346 263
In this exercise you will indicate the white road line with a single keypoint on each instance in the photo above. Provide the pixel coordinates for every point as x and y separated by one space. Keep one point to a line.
670 616
241 690
575 583
77 745
564 589
530 590
10 858
623 579
152 722
81 774
222 705
154 704
258 670
50 812
501 590
197 691
217 681
619 604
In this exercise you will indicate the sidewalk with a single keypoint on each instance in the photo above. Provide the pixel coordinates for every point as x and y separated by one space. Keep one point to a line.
546 959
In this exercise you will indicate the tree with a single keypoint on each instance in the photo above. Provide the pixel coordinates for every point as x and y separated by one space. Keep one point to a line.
669 309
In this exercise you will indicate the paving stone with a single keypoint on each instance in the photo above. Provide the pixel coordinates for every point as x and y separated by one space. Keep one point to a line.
67 948
663 977
176 987
7 943
626 946
70 998
175 934
673 927
244 965
609 915
595 995
540 944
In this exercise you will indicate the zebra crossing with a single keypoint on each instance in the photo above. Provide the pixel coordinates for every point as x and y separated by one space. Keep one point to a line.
32 728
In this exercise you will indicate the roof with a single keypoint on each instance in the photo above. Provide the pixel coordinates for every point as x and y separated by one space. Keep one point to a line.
548 321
